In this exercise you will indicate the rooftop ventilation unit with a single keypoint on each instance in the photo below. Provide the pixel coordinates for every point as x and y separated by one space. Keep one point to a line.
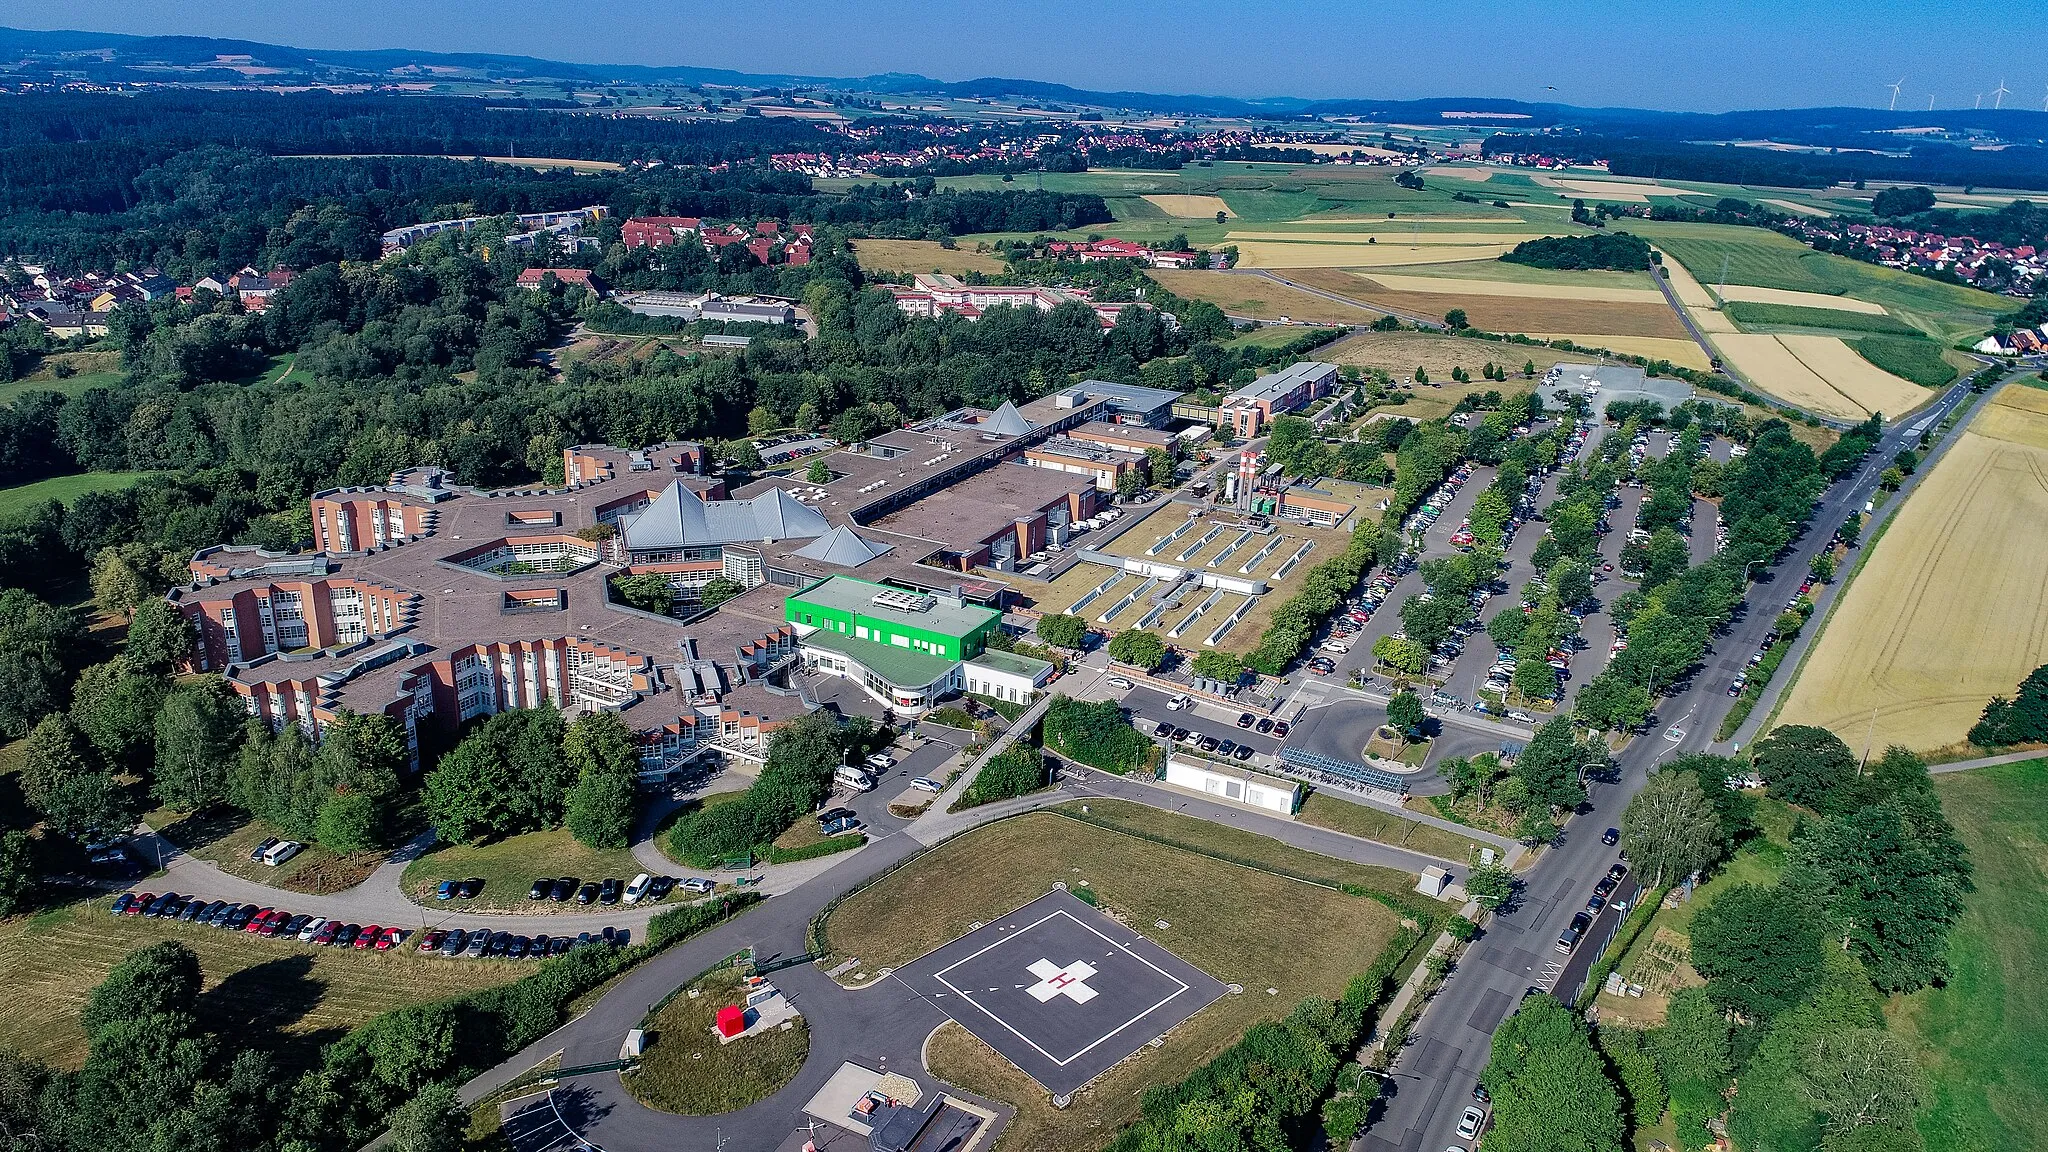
903 600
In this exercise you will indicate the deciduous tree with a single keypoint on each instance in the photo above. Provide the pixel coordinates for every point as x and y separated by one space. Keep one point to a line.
1550 1090
1670 829
1759 948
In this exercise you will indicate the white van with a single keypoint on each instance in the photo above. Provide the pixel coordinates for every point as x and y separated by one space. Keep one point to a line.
853 779
637 890
278 853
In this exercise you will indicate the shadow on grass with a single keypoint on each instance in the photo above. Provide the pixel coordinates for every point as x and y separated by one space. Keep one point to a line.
255 1005
204 827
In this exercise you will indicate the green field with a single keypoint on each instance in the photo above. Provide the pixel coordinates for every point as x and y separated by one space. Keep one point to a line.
1767 259
1983 1037
510 866
686 1071
66 488
1372 824
1914 359
1756 316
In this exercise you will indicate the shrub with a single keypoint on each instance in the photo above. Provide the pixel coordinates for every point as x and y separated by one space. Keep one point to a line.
1095 734
1020 769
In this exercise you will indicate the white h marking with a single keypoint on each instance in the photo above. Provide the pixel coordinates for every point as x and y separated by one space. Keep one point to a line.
1054 980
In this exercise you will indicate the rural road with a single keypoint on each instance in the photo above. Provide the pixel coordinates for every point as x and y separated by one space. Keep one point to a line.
1433 1078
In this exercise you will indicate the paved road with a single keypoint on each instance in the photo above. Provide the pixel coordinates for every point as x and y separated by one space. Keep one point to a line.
1450 1044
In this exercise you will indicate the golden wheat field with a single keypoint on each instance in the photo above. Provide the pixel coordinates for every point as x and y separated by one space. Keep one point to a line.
1752 293
1953 606
1191 207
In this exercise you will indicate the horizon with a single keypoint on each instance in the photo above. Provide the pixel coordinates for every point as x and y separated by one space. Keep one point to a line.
1788 58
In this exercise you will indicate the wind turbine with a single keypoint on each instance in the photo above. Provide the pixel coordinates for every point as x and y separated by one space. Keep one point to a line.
1998 97
1978 103
1895 94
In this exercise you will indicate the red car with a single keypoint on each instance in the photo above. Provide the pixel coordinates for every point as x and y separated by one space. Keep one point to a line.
371 934
432 940
257 921
275 923
328 932
391 938
141 902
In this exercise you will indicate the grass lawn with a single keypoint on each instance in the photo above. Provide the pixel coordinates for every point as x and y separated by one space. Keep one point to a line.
510 866
688 1072
294 994
1983 1038
911 257
1242 925
224 838
1385 827
65 489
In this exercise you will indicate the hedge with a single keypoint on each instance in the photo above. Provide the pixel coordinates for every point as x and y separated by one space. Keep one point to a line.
846 843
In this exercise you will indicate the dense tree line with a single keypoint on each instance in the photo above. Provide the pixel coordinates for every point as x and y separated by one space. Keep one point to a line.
1674 159
2023 719
797 777
1621 251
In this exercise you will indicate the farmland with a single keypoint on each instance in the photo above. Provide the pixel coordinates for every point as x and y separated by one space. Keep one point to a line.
1400 353
914 256
1983 1036
1946 612
1243 294
1920 361
1501 312
1818 373
1242 925
1756 317
1768 260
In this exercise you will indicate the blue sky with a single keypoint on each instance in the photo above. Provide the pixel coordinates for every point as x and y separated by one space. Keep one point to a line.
1644 53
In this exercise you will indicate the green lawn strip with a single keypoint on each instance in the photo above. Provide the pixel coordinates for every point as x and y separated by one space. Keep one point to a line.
224 838
65 489
1920 361
1983 1036
687 1071
1755 315
292 994
1385 827
510 866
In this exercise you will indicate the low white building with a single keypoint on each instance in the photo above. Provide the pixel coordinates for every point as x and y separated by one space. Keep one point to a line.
1237 785
1006 676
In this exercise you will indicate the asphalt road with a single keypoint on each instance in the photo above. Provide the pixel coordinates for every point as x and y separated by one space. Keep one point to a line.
1449 1045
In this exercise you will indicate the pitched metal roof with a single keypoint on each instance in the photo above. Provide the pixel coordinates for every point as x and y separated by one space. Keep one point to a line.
679 518
1007 421
844 547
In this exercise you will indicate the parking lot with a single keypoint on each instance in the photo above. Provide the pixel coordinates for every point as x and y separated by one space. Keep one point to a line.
1148 710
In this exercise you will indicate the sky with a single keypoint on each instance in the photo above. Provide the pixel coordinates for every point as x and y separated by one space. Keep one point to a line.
1636 53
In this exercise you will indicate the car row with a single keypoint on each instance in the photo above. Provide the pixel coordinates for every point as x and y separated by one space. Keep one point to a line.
611 890
1575 933
280 924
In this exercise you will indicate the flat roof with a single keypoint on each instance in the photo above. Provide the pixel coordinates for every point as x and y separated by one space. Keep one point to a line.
903 667
1012 663
1128 395
847 594
968 513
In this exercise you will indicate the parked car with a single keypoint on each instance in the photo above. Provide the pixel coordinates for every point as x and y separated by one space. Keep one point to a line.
329 932
1470 1123
469 888
122 903
1611 837
1280 728
368 937
256 853
880 762
278 854
275 926
540 889
636 889
346 937
1569 938
1246 720
1264 725
454 942
610 891
842 826
659 890
1164 728
927 784
446 890
254 922
392 938
1179 702
698 885
1244 752
311 930
588 893
1119 683
479 943
1616 871
562 889
539 947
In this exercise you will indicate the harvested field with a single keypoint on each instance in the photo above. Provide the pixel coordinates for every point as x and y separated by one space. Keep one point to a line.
1190 207
1775 370
1688 289
1680 350
1797 209
1247 295
1392 232
913 256
1500 313
1755 295
1865 384
1278 254
1462 284
1947 613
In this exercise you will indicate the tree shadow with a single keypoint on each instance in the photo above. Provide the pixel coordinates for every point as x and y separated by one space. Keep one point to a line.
579 1107
254 1007
203 827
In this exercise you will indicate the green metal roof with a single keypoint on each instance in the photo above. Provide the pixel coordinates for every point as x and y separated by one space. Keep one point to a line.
846 594
903 667
1012 663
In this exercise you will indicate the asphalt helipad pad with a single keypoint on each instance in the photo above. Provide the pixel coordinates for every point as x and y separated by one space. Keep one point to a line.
1061 990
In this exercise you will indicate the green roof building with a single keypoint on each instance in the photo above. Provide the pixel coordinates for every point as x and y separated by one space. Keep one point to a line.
904 648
